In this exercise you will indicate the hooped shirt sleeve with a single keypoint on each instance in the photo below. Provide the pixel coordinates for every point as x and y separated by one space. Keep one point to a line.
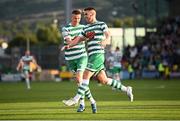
66 33
104 27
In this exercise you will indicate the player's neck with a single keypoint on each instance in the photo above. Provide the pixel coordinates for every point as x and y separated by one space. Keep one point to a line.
93 21
74 24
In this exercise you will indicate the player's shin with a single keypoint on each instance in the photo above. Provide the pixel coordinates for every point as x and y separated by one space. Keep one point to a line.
27 80
82 101
81 91
116 84
89 96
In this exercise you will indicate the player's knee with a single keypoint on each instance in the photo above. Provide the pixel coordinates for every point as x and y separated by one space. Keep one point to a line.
78 79
103 80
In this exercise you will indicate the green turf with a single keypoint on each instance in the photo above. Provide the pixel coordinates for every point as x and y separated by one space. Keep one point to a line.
154 100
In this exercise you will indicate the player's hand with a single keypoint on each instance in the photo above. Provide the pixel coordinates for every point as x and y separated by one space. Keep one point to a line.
68 41
39 69
65 47
17 69
103 43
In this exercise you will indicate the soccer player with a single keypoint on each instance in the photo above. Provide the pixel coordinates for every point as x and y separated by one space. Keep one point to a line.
76 56
24 65
115 66
99 37
117 56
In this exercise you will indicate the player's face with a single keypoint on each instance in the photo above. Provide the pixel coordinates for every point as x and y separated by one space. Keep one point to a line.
88 15
27 53
75 19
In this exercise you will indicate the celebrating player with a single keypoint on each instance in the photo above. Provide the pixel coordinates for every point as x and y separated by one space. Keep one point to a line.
95 47
27 64
76 56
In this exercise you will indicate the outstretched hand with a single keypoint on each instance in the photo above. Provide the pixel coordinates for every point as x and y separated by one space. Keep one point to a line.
65 47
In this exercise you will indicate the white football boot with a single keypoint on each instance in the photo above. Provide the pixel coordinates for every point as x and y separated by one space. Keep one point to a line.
130 94
70 102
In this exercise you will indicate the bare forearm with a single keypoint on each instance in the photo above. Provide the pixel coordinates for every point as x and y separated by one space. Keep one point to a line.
35 62
108 38
76 41
19 65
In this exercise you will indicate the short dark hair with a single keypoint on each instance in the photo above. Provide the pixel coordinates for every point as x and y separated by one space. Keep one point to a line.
76 11
89 8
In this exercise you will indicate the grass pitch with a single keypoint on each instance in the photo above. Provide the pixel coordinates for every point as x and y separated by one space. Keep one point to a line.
154 100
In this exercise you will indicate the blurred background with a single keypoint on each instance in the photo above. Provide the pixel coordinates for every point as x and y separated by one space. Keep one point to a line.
146 31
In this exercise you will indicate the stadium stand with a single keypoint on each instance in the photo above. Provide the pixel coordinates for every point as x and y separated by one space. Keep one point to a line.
161 47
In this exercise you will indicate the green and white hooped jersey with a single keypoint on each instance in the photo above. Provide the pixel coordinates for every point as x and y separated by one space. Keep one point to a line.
26 60
93 45
78 50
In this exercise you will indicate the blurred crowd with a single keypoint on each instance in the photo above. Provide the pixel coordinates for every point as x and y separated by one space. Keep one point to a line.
160 51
